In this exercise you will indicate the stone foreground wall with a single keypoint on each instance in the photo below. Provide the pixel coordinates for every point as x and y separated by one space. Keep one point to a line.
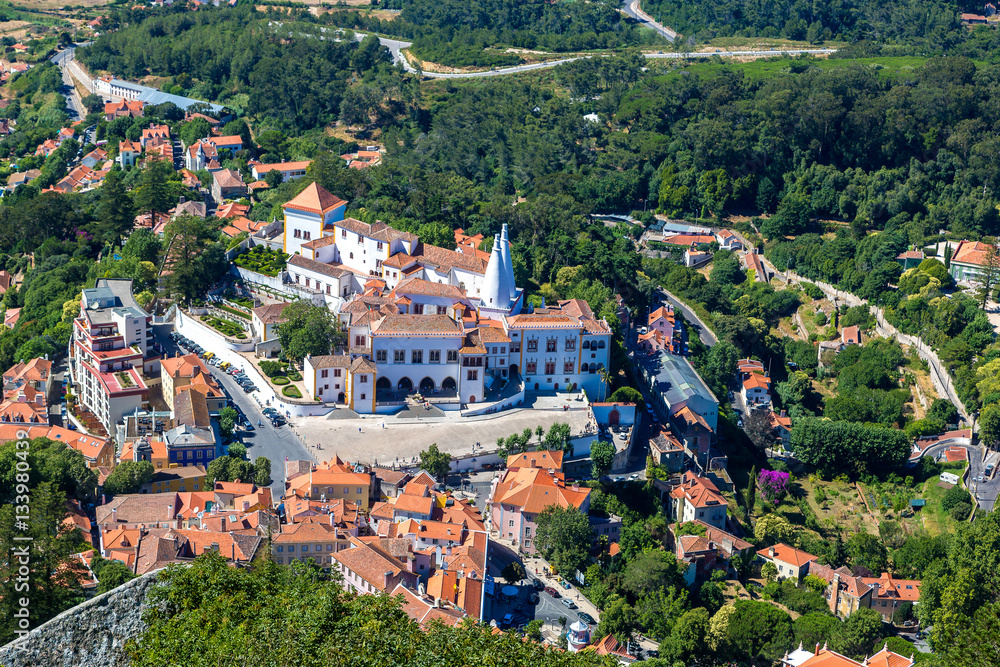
92 634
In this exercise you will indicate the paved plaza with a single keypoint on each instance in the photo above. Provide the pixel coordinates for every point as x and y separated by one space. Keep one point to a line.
368 441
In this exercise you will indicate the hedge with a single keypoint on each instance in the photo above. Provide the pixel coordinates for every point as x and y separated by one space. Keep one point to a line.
291 391
280 380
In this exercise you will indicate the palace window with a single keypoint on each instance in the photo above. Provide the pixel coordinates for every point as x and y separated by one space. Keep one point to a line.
399 356
417 356
551 345
533 345
452 356
434 356
380 356
550 367
472 375
570 344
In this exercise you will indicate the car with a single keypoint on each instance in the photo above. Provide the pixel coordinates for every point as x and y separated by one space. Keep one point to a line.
569 604
652 653
633 477
71 426
247 426
269 411
551 591
249 388
507 620
980 478
537 585
533 598
587 618
739 422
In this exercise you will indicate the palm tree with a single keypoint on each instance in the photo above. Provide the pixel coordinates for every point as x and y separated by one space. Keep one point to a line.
606 378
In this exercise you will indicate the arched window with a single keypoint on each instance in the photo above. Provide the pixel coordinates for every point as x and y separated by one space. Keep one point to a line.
352 255
600 345
586 344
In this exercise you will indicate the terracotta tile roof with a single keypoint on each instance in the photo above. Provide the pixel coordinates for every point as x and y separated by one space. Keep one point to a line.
262 169
270 313
231 210
534 489
787 554
422 325
413 504
447 259
314 199
492 335
428 288
691 418
665 442
370 563
887 587
362 365
331 361
306 532
665 312
399 260
610 646
227 178
688 239
851 335
750 366
757 381
544 459
699 491
147 508
539 320
886 658
186 366
910 254
972 252
321 242
332 270
438 530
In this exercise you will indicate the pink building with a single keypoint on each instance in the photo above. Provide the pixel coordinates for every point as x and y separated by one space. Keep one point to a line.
522 494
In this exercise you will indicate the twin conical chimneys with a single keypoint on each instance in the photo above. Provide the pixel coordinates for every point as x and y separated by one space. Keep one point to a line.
498 283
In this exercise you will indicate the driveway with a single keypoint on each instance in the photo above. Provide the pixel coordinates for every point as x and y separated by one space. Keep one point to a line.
276 444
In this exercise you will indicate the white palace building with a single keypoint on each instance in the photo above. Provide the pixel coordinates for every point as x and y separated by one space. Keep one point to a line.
420 318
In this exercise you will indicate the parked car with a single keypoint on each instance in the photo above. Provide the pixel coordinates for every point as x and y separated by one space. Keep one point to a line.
269 411
551 591
249 388
569 604
533 598
537 585
507 620
587 618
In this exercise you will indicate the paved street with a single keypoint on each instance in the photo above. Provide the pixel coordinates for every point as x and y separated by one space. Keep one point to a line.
273 443
986 491
73 102
634 9
693 322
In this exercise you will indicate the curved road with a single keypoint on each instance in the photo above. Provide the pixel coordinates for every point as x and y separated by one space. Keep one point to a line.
73 102
632 8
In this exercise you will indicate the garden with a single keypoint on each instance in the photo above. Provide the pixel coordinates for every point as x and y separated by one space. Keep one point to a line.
262 259
225 327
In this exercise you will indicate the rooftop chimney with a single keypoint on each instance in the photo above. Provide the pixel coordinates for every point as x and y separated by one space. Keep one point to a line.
214 547
222 527
385 581
170 511
114 515
770 552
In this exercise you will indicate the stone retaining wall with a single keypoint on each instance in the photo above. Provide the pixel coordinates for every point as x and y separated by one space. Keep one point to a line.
92 634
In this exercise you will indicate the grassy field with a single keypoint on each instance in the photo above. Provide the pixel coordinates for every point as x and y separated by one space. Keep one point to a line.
933 516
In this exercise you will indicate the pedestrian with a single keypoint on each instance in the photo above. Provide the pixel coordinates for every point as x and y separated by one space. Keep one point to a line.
359 429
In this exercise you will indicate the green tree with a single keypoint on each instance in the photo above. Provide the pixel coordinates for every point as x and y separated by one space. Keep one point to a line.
153 192
758 631
93 103
652 570
436 462
128 477
513 572
113 575
847 446
563 536
816 627
858 634
189 259
989 425
194 130
262 471
273 178
628 395
115 209
867 551
308 330
618 619
302 604
602 454
687 640
227 420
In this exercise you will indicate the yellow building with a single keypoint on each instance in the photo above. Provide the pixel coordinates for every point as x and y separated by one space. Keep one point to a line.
332 481
176 373
178 479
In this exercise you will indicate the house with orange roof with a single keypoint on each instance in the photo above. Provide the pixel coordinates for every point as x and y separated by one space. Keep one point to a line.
521 494
189 371
663 321
689 240
545 459
889 593
781 424
227 184
756 391
332 480
727 240
123 108
241 225
265 320
308 540
850 336
128 153
368 569
791 563
682 399
155 133
289 171
970 259
176 479
231 210
824 657
697 498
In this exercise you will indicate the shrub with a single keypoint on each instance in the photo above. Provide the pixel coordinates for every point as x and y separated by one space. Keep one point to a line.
280 380
294 376
813 291
291 391
272 368
820 319
961 511
772 485
902 613
955 495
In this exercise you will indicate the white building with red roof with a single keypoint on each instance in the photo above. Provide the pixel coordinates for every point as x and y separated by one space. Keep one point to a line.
112 340
969 260
698 499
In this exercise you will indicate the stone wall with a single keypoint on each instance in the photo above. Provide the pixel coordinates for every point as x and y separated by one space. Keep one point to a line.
92 634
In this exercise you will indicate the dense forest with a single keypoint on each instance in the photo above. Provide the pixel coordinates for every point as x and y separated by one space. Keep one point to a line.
452 32
929 22
238 58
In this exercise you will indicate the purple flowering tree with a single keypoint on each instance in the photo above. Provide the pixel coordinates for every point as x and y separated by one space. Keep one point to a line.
773 485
